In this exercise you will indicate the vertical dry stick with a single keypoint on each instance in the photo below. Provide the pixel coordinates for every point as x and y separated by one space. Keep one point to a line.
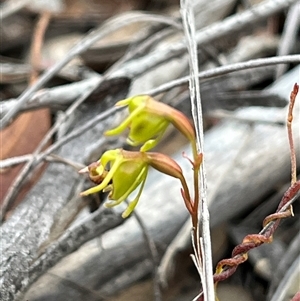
290 133
189 29
37 42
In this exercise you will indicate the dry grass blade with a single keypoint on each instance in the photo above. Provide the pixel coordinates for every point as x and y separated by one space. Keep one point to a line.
154 256
204 257
228 69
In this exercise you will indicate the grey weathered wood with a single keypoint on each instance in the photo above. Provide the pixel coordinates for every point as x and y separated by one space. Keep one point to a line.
286 261
223 30
29 226
64 95
289 285
122 256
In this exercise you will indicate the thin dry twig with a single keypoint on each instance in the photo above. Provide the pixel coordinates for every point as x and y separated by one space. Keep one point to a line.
65 95
223 114
239 21
94 82
34 160
225 28
204 257
227 267
61 95
194 88
227 69
153 253
11 162
202 75
81 46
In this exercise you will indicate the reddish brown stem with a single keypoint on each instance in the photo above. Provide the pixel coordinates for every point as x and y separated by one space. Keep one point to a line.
289 194
290 133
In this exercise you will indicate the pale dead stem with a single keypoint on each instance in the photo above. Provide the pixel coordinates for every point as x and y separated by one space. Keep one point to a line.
153 253
255 63
202 246
11 162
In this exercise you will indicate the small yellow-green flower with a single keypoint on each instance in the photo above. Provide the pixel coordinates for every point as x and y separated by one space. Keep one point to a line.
148 120
122 172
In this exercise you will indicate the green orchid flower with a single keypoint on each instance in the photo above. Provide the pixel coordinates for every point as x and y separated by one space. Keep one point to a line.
148 120
121 172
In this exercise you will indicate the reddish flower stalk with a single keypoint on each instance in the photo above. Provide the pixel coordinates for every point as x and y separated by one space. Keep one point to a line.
290 132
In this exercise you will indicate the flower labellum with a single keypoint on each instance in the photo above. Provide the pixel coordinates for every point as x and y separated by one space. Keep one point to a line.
121 172
127 170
